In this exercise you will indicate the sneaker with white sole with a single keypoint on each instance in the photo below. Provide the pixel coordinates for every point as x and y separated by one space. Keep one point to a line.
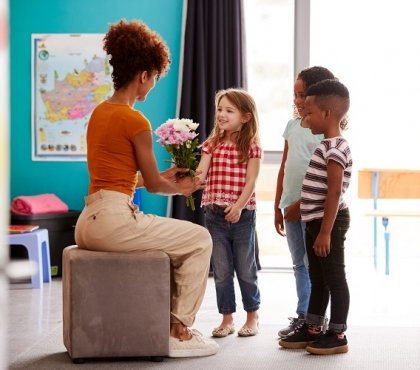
197 346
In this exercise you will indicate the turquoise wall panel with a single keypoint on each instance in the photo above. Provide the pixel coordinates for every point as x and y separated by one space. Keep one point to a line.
69 180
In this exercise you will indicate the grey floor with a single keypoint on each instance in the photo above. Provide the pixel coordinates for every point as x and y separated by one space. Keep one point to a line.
377 300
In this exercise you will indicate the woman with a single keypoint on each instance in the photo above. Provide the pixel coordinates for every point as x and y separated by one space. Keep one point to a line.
119 144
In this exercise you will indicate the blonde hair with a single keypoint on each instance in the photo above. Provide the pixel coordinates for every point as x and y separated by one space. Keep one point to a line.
248 134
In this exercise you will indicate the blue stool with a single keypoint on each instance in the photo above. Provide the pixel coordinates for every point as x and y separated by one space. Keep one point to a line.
137 198
37 245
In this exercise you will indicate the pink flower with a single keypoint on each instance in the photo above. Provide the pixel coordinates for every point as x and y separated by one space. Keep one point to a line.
176 132
179 138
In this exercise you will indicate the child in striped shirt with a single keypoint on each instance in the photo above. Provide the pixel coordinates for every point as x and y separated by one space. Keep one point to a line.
327 221
299 145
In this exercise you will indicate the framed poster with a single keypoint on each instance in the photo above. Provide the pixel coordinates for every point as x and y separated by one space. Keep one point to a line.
71 75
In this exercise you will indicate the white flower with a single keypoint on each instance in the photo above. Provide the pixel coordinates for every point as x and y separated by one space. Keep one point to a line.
182 124
192 125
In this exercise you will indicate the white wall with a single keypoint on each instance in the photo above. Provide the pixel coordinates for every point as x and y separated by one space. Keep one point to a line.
372 46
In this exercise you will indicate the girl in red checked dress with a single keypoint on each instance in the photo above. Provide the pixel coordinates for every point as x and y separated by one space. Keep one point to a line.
230 163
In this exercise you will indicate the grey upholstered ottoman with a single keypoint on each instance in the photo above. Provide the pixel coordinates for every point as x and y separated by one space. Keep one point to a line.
115 304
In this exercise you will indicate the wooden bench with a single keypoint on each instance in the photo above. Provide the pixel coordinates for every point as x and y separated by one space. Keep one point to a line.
388 184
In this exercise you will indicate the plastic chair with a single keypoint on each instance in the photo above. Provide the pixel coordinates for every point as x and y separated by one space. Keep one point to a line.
37 245
137 198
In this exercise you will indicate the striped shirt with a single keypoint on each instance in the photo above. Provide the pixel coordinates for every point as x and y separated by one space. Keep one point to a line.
226 176
314 187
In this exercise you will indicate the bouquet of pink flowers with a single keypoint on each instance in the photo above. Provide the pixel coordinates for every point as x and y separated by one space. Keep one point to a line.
179 138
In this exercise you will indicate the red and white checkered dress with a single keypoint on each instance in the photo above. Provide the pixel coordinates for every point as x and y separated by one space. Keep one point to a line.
226 175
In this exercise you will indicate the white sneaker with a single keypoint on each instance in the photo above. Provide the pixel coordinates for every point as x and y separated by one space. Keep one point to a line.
195 347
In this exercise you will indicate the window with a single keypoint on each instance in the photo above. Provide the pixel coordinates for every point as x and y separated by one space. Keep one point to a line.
372 47
269 37
270 52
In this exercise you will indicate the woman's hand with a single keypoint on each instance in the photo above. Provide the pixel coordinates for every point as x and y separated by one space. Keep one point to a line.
188 185
173 173
169 174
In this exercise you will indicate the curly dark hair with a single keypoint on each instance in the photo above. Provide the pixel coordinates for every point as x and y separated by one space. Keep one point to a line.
313 75
332 88
310 76
133 48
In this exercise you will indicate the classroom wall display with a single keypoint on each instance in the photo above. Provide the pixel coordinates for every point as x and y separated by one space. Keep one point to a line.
71 75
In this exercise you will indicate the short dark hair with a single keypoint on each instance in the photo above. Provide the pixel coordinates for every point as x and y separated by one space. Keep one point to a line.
332 94
331 87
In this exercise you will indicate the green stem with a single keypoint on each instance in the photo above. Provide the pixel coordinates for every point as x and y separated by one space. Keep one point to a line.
190 202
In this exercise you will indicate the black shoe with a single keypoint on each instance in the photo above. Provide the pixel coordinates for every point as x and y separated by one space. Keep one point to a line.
329 344
295 322
325 326
299 338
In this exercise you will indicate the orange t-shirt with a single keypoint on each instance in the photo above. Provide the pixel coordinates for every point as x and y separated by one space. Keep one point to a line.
110 152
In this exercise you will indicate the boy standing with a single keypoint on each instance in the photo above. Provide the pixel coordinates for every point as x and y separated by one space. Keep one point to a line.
327 220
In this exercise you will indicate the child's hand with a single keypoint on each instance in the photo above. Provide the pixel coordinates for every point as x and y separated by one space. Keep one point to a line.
279 222
232 213
322 245
199 182
292 213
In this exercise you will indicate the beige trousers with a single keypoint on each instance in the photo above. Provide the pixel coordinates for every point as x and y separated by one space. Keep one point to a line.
111 222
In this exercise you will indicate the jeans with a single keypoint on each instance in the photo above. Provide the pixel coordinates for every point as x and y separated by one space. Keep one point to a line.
295 234
233 251
328 276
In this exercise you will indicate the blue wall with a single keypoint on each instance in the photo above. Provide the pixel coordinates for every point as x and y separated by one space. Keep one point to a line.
69 180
